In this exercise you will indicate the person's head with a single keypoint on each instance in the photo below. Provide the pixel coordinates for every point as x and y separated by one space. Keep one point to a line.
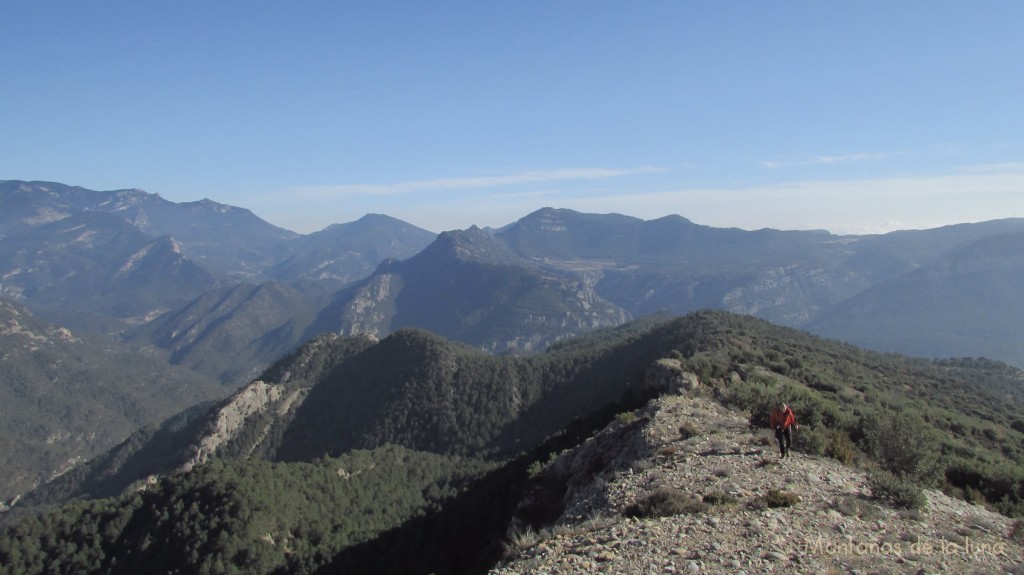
782 406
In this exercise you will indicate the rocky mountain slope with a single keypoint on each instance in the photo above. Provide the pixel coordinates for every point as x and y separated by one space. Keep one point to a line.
106 261
98 271
350 252
226 240
466 286
233 333
470 287
738 508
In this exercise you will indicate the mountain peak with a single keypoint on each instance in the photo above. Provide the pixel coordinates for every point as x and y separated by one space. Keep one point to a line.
208 205
473 244
379 218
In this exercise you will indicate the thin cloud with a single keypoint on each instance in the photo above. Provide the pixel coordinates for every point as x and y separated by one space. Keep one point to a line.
476 182
990 168
841 206
825 160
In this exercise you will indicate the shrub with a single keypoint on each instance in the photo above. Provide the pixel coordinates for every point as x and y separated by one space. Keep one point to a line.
535 468
854 506
776 498
897 491
1016 532
904 444
627 417
719 498
520 540
840 447
665 502
810 440
754 396
688 430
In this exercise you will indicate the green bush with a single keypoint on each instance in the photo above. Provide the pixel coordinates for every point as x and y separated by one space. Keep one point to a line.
627 417
810 440
840 447
895 490
904 444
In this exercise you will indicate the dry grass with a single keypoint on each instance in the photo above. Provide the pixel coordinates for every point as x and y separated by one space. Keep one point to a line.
776 498
519 540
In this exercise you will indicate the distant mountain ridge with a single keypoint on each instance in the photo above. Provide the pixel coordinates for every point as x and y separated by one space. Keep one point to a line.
238 242
551 274
470 287
800 279
350 252
948 300
64 251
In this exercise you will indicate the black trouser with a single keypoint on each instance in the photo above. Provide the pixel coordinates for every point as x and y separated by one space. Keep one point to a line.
785 437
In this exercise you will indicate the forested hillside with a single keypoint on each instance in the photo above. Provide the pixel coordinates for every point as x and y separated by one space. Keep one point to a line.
498 419
251 517
224 292
66 397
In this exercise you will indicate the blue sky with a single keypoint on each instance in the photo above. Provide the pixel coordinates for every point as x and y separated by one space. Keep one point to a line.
857 117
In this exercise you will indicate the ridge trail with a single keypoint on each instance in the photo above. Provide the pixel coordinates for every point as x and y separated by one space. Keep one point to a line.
834 527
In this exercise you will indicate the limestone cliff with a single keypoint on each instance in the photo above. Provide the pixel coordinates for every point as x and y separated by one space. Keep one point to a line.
229 419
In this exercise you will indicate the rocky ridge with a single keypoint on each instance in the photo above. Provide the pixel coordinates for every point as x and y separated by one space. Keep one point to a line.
695 447
256 397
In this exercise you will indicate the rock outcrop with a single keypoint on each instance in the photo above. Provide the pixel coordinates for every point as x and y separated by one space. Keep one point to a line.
668 376
254 398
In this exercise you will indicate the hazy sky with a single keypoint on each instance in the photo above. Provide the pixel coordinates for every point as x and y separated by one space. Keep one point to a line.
851 116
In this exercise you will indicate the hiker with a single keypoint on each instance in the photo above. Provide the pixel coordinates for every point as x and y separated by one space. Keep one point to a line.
782 421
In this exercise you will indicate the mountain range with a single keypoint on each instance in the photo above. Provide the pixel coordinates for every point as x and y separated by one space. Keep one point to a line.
224 292
209 292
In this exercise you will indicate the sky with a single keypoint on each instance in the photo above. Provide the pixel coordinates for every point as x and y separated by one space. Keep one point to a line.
855 117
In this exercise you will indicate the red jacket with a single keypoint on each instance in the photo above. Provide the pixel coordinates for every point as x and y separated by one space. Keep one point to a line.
785 418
